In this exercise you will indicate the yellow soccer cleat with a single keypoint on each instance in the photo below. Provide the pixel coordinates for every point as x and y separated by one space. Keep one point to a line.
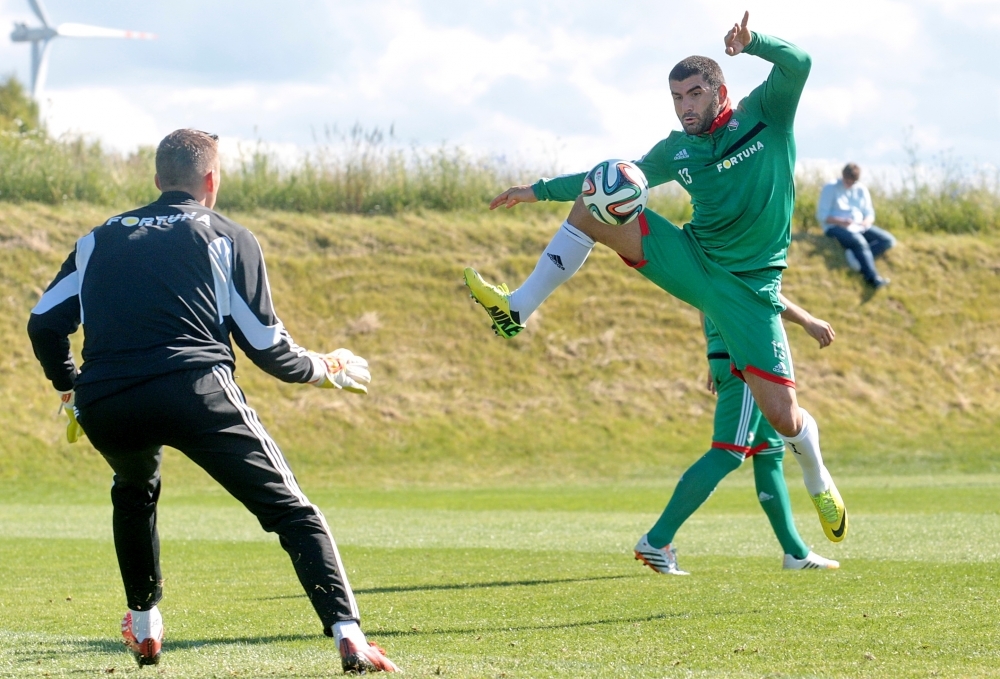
832 513
496 300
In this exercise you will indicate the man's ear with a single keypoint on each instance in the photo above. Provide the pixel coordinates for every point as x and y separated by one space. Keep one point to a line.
156 180
210 181
723 94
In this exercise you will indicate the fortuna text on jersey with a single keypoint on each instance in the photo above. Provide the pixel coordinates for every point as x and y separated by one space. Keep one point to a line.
742 155
160 220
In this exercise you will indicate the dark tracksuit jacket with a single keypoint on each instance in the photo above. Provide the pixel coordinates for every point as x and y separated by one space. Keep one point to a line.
160 291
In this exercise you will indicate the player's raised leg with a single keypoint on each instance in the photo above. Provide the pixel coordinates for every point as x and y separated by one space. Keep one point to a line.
561 259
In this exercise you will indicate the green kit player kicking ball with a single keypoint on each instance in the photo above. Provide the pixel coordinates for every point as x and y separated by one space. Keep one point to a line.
737 165
740 432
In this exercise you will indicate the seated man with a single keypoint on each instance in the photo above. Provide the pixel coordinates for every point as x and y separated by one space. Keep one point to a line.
845 212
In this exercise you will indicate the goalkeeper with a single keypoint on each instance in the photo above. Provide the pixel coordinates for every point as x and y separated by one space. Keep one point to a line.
738 166
160 290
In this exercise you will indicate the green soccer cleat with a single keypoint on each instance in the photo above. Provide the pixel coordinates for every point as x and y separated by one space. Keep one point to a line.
496 300
832 513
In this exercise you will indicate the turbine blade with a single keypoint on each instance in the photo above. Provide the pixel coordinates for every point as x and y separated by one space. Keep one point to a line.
39 10
39 68
86 31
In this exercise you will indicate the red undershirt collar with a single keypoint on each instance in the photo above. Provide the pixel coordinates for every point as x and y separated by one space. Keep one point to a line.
722 118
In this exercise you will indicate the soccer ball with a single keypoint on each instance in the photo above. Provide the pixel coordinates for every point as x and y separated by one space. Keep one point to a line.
615 191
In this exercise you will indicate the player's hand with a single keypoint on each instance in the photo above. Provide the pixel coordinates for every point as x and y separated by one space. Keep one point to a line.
821 331
344 371
513 196
73 429
710 383
738 37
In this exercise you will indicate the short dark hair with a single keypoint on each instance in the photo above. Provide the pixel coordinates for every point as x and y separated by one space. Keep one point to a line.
185 156
707 68
852 172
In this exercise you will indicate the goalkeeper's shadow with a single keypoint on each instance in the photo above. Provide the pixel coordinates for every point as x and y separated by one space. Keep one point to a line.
438 587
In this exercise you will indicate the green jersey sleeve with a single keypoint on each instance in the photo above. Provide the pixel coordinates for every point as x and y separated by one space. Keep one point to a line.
776 99
567 187
564 188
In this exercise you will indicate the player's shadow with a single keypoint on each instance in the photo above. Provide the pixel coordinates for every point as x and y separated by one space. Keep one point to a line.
39 654
464 586
816 244
506 627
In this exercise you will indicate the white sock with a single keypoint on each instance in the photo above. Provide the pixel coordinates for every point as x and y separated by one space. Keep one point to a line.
147 624
351 630
563 257
805 448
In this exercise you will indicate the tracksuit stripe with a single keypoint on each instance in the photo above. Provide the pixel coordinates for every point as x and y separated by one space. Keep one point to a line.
745 413
249 415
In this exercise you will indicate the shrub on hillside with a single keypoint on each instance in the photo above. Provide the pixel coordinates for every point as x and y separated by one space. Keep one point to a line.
366 172
18 112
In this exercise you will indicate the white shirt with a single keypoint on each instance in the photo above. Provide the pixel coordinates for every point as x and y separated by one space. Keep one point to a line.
836 200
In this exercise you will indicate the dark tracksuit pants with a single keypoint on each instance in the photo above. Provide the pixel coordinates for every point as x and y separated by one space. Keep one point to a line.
204 414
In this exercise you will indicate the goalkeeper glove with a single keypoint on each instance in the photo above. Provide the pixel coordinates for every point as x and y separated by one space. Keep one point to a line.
344 370
73 430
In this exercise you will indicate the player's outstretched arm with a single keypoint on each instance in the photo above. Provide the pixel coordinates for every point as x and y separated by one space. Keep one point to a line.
817 328
778 97
513 196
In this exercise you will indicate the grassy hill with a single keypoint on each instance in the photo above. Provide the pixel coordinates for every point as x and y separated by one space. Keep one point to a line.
605 385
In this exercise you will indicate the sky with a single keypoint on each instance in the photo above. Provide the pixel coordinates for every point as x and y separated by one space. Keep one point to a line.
555 84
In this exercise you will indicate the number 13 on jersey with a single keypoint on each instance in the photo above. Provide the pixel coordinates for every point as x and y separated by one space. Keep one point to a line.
685 177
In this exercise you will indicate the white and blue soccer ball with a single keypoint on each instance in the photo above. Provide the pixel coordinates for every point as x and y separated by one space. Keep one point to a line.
615 191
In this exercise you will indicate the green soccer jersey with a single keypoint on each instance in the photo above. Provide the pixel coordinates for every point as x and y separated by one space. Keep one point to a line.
740 177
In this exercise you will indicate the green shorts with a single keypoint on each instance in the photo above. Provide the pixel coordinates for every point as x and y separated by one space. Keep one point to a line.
745 307
740 427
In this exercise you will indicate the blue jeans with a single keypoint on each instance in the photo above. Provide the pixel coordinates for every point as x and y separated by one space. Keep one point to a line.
866 246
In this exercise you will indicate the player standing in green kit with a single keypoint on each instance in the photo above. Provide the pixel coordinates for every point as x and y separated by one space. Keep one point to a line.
738 166
739 432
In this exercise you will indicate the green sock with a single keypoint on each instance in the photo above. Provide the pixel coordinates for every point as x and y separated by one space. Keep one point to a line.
692 490
773 495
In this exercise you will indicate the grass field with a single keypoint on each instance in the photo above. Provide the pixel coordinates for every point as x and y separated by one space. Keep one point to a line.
486 494
525 583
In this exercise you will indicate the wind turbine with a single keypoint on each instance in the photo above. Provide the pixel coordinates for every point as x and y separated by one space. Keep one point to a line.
41 36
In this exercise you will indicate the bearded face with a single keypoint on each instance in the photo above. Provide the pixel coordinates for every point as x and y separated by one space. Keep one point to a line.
696 103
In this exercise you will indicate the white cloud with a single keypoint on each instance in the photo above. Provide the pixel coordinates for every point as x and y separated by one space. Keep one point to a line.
563 83
883 22
839 105
105 113
979 14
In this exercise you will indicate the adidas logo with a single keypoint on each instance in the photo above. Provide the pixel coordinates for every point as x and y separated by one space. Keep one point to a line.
764 497
681 155
781 369
557 260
